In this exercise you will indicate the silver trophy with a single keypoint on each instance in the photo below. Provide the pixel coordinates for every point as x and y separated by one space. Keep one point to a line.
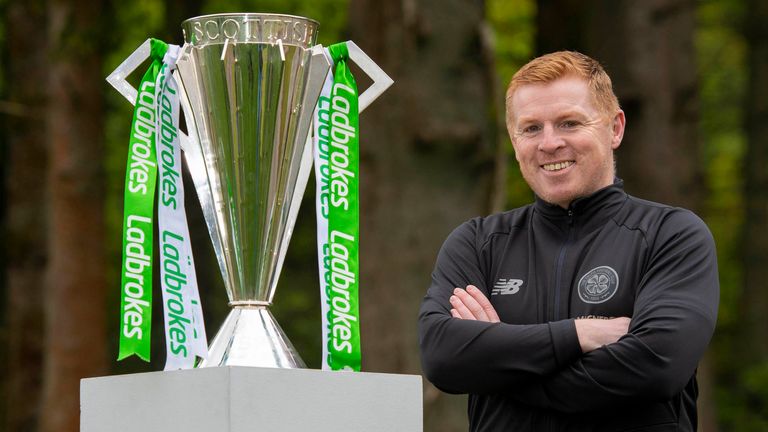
249 85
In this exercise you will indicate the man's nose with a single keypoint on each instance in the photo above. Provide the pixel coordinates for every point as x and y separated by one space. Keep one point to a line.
550 140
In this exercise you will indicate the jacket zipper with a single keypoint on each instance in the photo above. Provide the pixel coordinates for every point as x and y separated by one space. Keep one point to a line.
559 266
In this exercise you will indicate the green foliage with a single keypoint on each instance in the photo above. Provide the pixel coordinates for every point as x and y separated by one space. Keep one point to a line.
513 28
721 54
513 25
740 400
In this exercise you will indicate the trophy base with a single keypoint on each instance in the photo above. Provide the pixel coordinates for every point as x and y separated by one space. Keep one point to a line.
250 336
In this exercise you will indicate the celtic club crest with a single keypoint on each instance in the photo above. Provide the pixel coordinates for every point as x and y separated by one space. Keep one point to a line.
598 285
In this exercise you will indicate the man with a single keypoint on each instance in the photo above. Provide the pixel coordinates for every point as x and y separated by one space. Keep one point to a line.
586 310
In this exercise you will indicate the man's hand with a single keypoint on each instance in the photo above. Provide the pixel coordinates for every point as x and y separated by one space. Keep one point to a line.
472 304
594 333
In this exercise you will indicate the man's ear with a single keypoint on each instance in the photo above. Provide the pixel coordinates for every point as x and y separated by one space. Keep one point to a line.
617 129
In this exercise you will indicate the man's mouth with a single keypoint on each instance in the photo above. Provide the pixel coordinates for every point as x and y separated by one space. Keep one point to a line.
557 166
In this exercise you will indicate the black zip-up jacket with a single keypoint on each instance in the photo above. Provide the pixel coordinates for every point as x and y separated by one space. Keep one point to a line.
608 255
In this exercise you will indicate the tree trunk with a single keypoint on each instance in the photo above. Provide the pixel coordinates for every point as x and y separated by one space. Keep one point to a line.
754 327
756 182
427 164
25 245
75 340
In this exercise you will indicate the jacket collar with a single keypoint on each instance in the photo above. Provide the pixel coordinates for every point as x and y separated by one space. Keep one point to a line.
587 212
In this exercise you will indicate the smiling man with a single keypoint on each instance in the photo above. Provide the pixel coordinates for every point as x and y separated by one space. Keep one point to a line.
586 310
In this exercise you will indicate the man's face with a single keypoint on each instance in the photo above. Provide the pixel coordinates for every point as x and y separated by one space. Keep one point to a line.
563 142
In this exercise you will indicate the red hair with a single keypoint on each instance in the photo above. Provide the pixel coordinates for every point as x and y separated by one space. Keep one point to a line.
551 67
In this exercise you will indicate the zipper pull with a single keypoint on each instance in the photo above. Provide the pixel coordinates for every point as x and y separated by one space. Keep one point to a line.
570 217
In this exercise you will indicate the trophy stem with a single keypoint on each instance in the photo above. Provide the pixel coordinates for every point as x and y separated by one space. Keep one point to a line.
250 336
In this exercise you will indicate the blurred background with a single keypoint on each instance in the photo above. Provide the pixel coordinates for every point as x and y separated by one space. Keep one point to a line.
692 77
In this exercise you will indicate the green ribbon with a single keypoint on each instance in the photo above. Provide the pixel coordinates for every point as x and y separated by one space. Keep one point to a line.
138 223
343 217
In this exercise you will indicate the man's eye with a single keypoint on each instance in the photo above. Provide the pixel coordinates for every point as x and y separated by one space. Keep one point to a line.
531 129
569 124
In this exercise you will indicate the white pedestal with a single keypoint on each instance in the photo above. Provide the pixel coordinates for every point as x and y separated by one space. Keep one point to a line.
240 399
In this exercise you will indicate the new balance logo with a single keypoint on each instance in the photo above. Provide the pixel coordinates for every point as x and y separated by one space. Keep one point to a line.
506 286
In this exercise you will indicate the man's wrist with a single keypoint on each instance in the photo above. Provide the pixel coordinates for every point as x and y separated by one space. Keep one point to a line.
595 333
565 341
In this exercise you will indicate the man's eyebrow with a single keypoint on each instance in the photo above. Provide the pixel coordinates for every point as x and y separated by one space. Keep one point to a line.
526 119
523 120
572 113
569 113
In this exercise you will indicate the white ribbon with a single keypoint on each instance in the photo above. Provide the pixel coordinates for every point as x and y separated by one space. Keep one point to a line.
322 175
185 337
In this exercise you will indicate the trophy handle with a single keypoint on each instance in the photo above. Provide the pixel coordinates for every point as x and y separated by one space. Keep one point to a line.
133 61
381 81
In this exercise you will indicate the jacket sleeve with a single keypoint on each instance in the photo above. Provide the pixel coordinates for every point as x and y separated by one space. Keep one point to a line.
465 356
673 320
